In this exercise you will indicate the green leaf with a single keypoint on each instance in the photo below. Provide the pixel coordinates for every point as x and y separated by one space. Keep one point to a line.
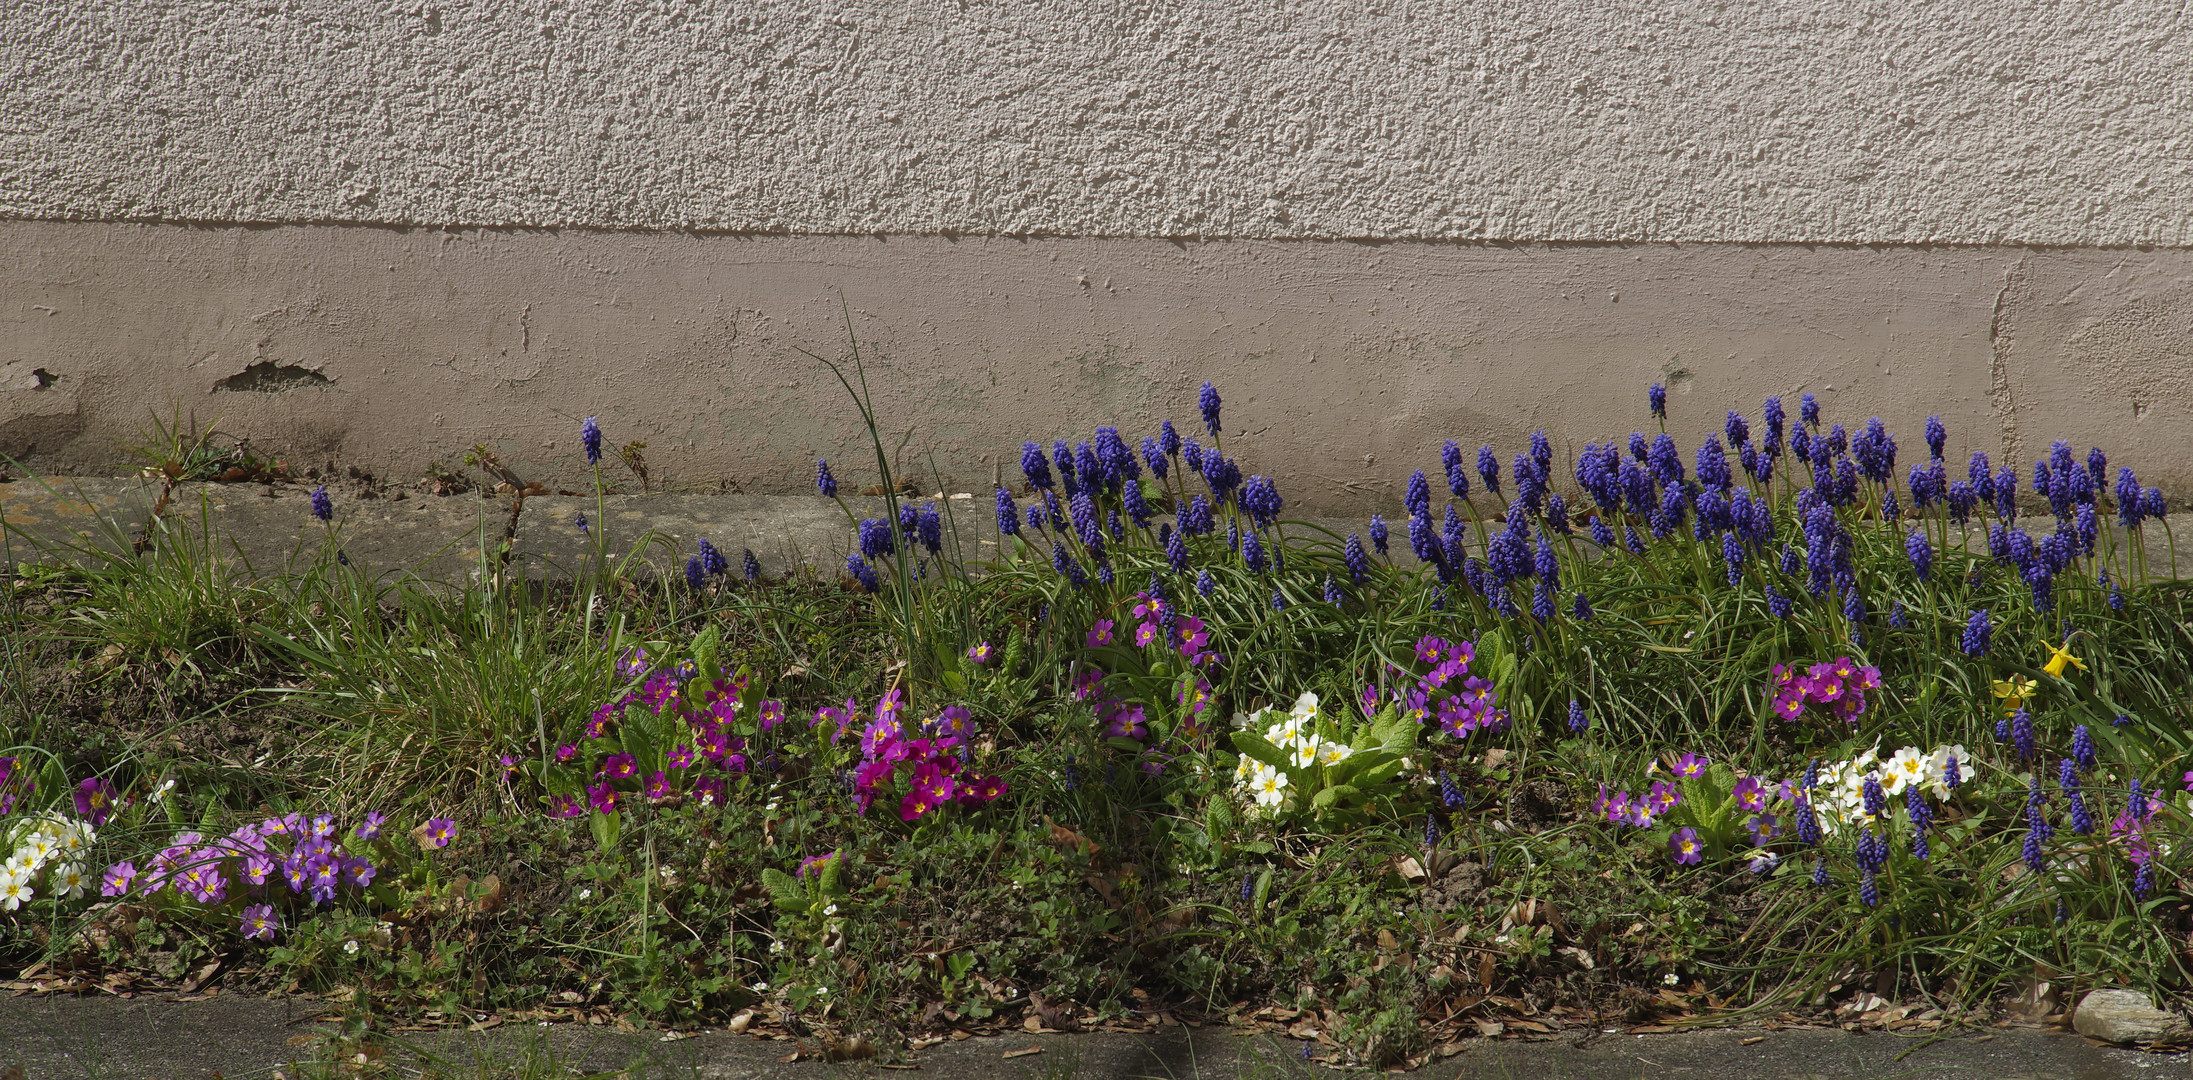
706 645
1252 744
785 891
605 828
1329 796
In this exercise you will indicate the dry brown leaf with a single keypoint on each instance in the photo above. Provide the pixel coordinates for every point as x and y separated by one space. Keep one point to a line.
1022 1053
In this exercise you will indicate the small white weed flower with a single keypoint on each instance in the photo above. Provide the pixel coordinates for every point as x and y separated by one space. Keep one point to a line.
1669 979
351 946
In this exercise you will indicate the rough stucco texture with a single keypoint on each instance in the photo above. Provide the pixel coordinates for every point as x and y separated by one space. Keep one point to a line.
1955 121
1343 365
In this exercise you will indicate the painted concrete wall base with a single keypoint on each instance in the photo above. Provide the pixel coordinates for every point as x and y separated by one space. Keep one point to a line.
1343 364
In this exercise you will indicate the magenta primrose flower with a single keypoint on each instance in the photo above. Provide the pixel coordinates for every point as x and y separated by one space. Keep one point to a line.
980 653
95 800
564 806
259 923
772 714
1100 634
658 786
1685 847
709 790
566 753
619 767
1691 766
439 832
603 798
813 865
982 790
681 757
1751 794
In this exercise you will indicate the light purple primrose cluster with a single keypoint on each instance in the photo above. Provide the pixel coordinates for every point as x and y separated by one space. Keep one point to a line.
1463 704
307 855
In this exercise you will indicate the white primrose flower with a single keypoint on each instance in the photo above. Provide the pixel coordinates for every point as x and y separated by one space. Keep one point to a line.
1271 787
70 880
1305 707
15 890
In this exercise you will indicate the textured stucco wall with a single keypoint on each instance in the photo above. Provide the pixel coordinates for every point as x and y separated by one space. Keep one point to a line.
1343 365
1937 121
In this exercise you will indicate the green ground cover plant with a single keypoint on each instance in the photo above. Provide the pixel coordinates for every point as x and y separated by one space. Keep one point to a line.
1770 727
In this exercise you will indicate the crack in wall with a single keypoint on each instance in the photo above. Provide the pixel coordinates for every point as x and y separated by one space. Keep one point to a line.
2000 341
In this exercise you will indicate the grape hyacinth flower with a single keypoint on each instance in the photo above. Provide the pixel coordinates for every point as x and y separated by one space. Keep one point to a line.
323 506
2021 735
1656 396
1207 400
590 438
2082 749
1378 533
1808 410
1578 721
1921 553
824 482
1333 595
712 560
1488 469
1352 556
1417 499
750 565
1203 583
1978 633
1581 611
696 577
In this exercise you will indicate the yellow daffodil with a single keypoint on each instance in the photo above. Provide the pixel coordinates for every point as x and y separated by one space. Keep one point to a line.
2061 658
2013 692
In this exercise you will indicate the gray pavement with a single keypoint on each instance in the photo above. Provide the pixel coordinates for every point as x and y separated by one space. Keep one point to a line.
236 1036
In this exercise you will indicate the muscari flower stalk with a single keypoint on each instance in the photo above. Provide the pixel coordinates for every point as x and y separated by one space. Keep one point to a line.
826 483
1530 482
1921 553
1279 600
2021 736
1378 533
929 527
1808 410
2082 749
712 561
695 575
877 539
863 573
1352 556
1896 618
1138 508
1252 552
1581 612
1656 396
1632 541
2128 498
1488 469
1869 889
1154 457
1333 595
1979 632
2152 504
2067 778
1207 400
751 565
323 506
579 519
1778 605
1203 583
1578 721
1922 817
1458 478
1542 602
1600 534
1035 517
1191 454
590 437
1008 513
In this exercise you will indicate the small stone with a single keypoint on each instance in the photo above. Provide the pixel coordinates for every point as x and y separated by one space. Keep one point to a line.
2126 1016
